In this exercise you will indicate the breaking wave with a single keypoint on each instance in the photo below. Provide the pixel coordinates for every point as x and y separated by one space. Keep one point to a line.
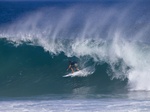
111 40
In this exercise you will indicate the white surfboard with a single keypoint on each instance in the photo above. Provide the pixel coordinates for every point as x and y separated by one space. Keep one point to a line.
81 73
77 73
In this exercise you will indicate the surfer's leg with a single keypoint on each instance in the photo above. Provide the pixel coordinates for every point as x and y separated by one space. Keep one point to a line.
77 68
72 70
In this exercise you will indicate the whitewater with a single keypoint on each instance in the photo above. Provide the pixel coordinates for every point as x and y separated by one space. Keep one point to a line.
109 40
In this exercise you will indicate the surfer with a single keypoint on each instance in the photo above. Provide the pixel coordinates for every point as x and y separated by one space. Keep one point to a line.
73 65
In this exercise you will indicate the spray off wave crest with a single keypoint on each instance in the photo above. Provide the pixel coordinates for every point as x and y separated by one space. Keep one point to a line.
116 35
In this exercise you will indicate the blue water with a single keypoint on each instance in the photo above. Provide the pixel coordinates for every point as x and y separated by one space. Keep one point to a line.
110 40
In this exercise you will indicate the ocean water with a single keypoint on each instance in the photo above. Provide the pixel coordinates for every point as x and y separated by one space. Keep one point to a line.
109 40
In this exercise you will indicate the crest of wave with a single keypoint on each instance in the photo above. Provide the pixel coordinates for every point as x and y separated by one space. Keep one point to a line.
105 34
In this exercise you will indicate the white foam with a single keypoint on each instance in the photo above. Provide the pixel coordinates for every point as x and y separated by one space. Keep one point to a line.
104 34
82 105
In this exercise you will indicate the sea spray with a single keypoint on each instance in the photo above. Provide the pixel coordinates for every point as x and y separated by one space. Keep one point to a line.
105 35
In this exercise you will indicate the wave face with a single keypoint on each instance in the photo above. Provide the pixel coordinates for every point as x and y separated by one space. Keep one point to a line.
108 38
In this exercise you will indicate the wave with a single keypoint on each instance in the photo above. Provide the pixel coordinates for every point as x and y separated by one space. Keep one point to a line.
29 70
110 39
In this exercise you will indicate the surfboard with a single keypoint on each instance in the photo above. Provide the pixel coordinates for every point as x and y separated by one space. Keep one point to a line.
81 73
77 73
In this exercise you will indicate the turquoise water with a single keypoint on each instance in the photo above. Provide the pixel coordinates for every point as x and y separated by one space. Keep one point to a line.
108 39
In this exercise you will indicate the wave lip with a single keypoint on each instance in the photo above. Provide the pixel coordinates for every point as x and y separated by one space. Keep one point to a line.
102 38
